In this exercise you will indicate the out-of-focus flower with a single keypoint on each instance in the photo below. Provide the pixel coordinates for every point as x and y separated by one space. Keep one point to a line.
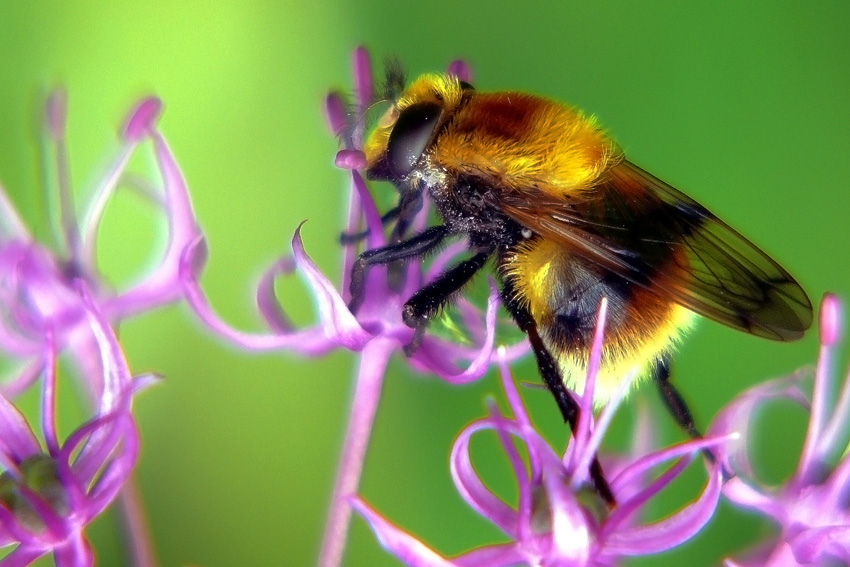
376 331
812 507
51 489
37 290
560 519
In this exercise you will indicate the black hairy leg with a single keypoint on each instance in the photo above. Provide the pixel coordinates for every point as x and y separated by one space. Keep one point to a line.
676 404
415 246
421 307
673 399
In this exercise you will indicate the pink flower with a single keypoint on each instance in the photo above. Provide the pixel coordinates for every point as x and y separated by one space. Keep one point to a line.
560 519
51 489
376 331
810 507
37 289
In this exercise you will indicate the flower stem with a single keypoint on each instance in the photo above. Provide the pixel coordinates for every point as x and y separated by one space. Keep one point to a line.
367 392
136 533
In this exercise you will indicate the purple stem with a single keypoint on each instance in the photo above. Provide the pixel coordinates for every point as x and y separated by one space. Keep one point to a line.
367 392
136 532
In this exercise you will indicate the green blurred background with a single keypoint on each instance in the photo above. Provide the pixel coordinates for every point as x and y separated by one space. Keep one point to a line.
744 106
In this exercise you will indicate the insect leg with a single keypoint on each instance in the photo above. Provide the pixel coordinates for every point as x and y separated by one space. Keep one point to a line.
354 237
409 205
673 399
551 374
414 246
420 308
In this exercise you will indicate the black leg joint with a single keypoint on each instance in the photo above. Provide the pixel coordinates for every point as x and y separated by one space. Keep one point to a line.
416 246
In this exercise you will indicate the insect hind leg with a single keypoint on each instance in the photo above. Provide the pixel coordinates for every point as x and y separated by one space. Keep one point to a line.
673 399
551 374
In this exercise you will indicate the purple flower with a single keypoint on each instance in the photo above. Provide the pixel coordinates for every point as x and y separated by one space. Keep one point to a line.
379 317
51 489
812 506
376 331
560 519
37 290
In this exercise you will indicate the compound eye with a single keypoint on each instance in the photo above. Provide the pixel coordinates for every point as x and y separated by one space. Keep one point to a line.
410 136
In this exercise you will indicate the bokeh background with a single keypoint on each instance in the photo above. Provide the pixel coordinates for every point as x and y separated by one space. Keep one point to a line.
742 105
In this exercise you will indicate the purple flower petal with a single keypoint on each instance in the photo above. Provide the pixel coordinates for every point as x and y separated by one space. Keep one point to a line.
22 556
335 113
267 301
460 69
472 489
309 342
409 550
481 363
13 388
74 553
671 531
340 325
370 212
736 417
142 120
817 545
18 441
362 65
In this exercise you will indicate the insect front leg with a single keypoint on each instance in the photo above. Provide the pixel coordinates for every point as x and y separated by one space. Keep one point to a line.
416 246
409 204
354 237
422 306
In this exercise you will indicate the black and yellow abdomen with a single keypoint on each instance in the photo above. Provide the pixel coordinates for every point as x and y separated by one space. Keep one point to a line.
562 292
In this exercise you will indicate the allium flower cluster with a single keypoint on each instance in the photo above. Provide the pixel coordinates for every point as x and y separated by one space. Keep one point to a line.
37 283
812 507
51 489
54 301
560 519
376 330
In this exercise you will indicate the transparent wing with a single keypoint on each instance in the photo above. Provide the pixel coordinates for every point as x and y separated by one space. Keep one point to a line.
655 236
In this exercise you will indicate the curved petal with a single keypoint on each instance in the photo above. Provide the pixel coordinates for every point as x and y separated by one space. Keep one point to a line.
267 301
481 363
339 323
408 549
673 530
309 342
736 417
742 494
470 487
